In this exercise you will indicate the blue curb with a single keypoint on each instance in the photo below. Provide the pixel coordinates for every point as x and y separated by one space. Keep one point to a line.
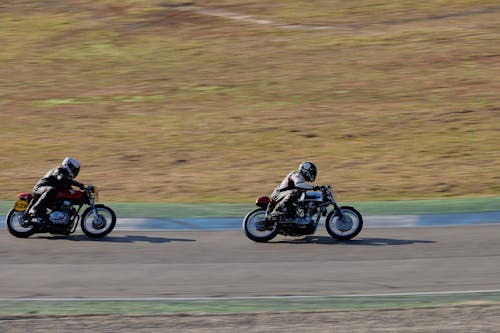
234 223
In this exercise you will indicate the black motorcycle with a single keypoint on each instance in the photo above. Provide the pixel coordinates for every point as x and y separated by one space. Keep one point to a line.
342 223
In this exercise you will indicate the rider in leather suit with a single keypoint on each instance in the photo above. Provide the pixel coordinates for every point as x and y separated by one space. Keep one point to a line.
61 177
290 189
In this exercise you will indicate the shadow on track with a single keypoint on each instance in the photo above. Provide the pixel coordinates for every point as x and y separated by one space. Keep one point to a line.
358 241
121 239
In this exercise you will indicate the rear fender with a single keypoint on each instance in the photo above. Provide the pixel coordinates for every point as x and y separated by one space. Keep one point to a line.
263 202
26 196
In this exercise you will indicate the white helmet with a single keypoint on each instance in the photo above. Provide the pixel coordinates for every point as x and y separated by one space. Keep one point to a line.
308 170
71 165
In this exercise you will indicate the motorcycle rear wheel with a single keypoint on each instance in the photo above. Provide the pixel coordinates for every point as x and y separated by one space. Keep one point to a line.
251 226
98 226
347 229
15 221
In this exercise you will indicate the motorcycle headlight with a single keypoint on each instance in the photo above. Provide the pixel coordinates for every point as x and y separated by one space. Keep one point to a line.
93 192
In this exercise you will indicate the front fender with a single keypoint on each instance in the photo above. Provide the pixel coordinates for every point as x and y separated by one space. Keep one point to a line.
335 212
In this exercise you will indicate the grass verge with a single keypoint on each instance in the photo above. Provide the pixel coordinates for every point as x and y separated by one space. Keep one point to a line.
234 306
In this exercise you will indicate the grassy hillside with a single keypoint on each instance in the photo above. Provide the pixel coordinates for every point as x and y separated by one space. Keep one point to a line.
167 102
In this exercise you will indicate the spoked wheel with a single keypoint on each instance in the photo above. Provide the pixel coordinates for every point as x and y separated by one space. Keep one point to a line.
18 225
100 224
346 228
257 228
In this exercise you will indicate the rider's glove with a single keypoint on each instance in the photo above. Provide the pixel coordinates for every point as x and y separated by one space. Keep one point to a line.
316 188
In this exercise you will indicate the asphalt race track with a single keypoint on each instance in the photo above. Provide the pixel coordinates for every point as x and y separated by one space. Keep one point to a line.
172 264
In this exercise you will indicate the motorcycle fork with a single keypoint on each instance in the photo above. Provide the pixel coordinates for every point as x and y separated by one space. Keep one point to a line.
94 210
338 211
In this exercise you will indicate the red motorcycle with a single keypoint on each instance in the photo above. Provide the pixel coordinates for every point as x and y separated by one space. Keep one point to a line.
61 216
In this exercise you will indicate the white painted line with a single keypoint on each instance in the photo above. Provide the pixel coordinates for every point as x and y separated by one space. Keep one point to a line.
426 293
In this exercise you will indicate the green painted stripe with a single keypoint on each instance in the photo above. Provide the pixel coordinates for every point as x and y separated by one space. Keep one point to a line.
207 210
234 306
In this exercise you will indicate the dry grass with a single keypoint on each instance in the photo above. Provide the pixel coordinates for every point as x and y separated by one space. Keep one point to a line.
176 106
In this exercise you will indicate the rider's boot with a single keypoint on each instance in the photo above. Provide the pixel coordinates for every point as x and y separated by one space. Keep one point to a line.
37 221
268 221
33 216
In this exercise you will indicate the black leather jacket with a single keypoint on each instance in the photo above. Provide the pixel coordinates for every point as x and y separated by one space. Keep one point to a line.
58 178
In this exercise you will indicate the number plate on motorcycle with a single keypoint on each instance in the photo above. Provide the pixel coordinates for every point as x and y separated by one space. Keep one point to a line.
21 205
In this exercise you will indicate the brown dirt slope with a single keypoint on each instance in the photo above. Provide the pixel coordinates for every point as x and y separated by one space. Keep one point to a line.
456 319
394 100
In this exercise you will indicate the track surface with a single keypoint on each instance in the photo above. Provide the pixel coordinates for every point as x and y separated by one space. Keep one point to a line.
133 264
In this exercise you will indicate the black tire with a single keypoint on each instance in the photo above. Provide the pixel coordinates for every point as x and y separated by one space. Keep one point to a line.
250 228
98 228
353 230
14 225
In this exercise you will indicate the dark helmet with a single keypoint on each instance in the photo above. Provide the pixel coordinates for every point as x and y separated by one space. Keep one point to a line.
308 170
71 165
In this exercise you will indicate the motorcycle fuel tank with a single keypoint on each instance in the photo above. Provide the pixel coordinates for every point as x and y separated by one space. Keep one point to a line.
311 196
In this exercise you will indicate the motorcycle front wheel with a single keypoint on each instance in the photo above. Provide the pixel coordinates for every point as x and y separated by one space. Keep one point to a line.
17 226
346 228
100 224
255 227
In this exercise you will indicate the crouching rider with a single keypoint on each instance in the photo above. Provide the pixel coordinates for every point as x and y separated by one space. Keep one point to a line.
290 189
60 178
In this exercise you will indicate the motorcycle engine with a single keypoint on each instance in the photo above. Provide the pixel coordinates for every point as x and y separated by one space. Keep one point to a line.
58 217
63 216
303 214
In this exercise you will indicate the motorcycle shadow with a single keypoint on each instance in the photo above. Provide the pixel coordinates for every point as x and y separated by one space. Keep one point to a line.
121 239
376 241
